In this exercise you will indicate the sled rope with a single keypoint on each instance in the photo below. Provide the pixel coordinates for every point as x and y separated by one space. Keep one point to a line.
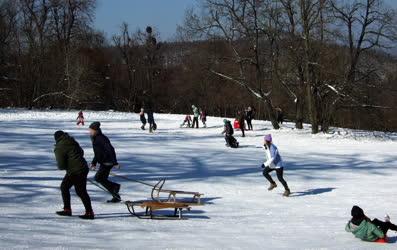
133 180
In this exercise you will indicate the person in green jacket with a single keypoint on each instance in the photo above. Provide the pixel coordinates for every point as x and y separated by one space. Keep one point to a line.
70 157
365 229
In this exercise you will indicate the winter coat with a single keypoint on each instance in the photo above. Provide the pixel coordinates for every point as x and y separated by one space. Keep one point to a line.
69 155
250 115
203 116
241 120
272 157
103 150
196 112
365 231
228 129
80 115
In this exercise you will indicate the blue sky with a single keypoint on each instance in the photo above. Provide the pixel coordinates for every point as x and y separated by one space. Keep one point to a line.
164 15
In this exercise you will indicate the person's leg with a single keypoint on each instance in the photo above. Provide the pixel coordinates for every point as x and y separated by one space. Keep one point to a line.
80 186
280 172
102 177
266 174
65 187
384 226
197 122
242 130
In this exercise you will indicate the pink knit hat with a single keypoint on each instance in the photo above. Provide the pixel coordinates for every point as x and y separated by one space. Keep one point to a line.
268 137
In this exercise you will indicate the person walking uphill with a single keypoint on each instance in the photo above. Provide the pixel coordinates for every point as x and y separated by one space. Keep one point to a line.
70 157
196 114
105 155
273 162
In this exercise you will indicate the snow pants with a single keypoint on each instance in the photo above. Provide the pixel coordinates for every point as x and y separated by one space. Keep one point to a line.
79 182
384 226
279 171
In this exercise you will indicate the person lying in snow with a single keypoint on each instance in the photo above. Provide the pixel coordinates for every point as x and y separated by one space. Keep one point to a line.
70 157
273 162
363 228
228 131
188 120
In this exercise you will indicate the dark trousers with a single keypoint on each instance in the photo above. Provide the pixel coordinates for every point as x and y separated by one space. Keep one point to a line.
384 226
195 121
280 172
249 124
79 182
102 177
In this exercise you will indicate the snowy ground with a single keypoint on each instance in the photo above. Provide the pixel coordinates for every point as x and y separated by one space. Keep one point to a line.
327 173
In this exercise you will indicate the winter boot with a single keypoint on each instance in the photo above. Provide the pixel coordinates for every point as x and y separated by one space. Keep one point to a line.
64 212
287 193
272 186
88 216
143 127
115 199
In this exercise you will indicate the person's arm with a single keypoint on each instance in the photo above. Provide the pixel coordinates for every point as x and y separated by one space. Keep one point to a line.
273 153
61 158
348 228
98 151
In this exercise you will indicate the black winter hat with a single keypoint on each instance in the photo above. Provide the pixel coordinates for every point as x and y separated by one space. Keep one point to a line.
95 126
58 134
357 212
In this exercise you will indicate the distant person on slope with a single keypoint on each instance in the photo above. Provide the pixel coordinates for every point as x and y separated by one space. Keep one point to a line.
105 155
196 115
150 119
273 162
142 118
228 131
249 116
80 118
203 118
241 121
188 120
70 157
363 228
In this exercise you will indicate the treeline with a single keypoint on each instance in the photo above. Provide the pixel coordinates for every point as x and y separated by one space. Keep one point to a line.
320 61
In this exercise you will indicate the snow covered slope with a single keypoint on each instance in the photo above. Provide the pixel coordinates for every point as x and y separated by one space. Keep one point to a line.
327 173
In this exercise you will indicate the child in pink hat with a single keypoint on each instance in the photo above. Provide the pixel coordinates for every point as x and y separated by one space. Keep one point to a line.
273 162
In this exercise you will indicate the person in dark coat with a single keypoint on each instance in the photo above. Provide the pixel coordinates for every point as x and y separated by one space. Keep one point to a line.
228 131
280 115
241 121
249 116
105 155
203 118
70 157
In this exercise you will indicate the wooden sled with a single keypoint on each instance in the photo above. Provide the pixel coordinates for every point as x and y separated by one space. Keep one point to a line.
158 189
151 206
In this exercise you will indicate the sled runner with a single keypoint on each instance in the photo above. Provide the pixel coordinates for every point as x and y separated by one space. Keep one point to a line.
158 189
151 206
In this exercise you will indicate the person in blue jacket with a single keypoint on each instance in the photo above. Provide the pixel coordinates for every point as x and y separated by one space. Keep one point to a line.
273 162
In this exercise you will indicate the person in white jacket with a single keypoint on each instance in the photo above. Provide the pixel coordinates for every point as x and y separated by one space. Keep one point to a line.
273 162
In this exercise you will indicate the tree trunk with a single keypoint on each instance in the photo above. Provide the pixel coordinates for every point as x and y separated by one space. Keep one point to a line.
299 113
